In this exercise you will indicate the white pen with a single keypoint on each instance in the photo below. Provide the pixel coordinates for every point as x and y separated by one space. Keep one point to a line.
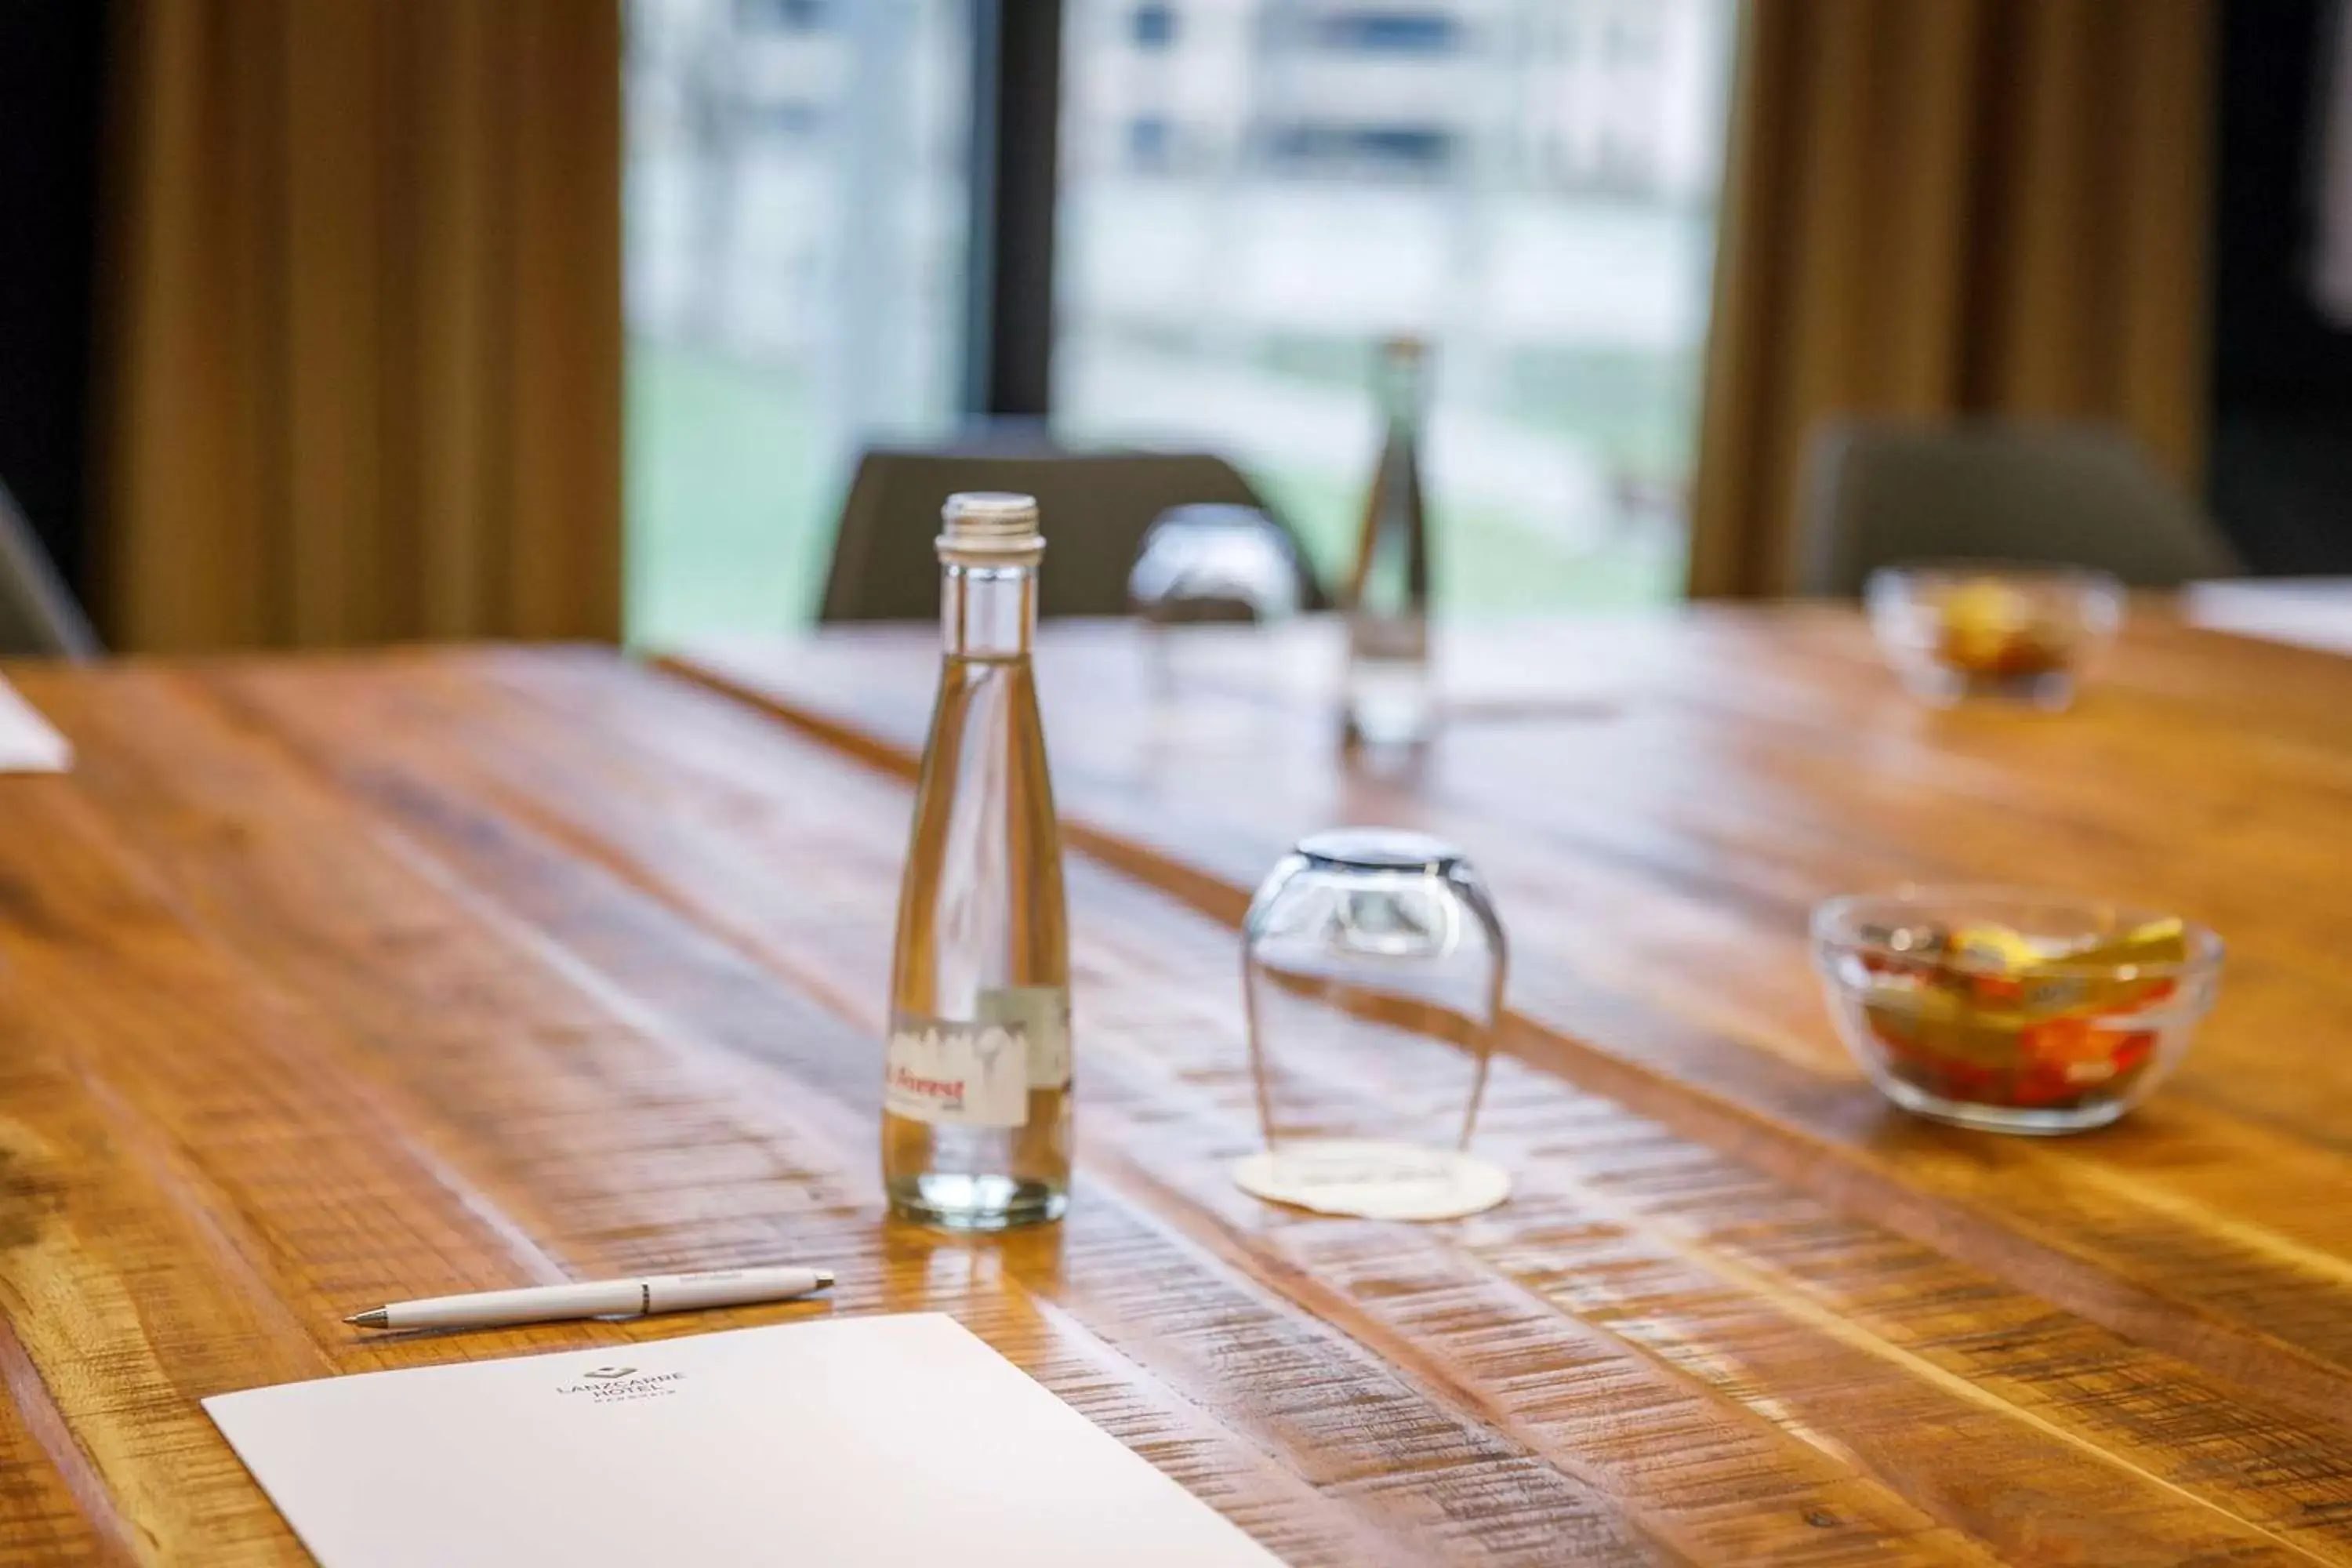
601 1298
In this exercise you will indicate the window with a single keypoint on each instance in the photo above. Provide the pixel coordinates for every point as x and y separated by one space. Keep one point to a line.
1251 193
1531 184
796 229
1149 140
1417 151
781 15
1155 26
1403 32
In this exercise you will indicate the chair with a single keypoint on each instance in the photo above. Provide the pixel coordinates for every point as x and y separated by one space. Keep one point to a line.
1878 492
37 615
1095 507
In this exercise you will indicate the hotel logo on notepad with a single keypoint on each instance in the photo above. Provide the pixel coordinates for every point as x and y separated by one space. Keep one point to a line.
615 1385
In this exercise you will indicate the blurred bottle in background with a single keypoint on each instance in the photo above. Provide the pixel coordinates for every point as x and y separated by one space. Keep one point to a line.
1389 698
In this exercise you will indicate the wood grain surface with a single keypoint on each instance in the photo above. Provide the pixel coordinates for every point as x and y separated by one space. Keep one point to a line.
344 979
1659 805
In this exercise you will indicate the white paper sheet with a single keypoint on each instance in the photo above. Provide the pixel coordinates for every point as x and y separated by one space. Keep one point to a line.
852 1442
2309 611
28 742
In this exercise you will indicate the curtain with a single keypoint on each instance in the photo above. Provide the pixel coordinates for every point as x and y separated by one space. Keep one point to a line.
1951 207
364 342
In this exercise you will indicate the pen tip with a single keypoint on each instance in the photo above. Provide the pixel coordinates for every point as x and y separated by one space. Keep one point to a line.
375 1319
824 1279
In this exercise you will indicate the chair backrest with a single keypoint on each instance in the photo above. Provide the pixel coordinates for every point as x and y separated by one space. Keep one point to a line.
37 615
1879 492
1095 508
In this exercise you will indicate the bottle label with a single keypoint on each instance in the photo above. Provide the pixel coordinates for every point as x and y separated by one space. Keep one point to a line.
956 1074
1040 1015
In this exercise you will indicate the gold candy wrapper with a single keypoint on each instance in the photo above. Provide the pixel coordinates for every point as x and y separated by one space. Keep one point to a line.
1989 629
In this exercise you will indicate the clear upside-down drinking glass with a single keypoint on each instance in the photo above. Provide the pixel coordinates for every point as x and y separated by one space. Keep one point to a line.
1374 965
1207 565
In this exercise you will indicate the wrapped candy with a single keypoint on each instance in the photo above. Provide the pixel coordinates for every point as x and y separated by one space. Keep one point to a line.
1986 1015
1987 628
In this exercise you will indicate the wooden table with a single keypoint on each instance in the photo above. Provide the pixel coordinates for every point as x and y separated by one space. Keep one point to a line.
338 979
2045 1346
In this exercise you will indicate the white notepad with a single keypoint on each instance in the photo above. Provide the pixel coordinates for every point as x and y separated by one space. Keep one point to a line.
854 1443
28 742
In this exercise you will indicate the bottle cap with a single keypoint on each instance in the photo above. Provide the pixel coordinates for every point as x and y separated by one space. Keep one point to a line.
991 528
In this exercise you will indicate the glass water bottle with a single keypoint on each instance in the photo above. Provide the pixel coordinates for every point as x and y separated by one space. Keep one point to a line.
1389 698
976 1105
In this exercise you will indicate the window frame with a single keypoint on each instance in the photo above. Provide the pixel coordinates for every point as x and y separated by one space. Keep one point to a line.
1016 116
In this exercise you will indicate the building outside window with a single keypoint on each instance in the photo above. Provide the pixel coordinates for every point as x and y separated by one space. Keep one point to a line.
1530 182
797 191
1251 193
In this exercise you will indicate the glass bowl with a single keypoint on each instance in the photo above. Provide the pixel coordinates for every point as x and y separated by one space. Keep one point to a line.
2013 1011
1968 631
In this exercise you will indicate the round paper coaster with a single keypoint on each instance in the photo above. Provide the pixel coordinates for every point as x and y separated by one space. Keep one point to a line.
1374 1181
